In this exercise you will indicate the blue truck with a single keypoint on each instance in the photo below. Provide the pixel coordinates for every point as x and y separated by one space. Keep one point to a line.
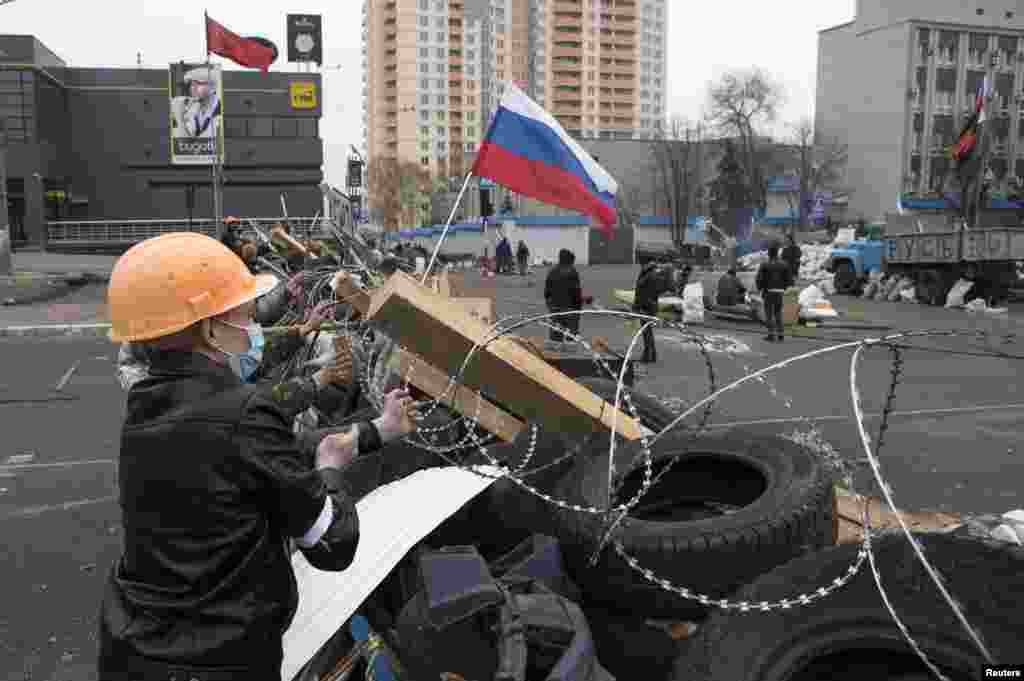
934 251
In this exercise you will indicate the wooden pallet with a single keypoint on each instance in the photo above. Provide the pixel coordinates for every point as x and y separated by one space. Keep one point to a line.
443 334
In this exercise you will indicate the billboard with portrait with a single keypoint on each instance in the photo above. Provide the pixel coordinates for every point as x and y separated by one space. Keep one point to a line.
197 113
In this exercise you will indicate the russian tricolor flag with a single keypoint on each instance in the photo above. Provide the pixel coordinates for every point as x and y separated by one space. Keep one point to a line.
527 151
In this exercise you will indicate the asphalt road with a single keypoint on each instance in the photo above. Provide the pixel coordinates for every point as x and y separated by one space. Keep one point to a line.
952 443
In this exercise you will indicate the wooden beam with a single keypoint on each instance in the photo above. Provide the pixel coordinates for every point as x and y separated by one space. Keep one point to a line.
345 290
434 382
466 402
478 308
443 333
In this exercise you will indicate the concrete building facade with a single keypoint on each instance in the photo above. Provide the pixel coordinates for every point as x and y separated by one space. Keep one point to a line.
92 144
434 71
897 82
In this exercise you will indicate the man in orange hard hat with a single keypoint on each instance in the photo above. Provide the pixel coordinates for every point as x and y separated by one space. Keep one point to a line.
213 487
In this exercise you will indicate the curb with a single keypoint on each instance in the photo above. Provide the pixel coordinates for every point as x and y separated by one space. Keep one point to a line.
56 331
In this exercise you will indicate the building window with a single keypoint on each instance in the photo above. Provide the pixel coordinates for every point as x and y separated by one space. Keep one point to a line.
425 84
442 53
425 100
424 37
424 67
425 115
440 37
424 21
425 161
424 52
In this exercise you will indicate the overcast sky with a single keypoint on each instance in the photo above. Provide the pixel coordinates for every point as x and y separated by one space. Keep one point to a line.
705 40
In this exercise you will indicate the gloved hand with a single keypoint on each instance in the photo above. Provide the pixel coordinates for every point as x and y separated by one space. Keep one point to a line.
321 313
294 286
339 369
396 419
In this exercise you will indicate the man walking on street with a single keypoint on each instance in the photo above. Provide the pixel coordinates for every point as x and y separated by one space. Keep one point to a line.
792 254
649 285
523 256
773 278
564 293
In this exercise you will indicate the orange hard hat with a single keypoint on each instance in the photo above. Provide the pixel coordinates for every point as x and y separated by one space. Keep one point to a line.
168 283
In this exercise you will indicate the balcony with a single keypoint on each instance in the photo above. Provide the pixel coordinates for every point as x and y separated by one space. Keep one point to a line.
568 110
565 51
567 21
562 6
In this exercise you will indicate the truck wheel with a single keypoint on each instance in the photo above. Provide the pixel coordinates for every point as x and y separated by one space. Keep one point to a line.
845 278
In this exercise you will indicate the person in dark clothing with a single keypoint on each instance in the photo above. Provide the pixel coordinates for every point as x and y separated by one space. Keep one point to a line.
564 293
773 278
791 254
214 486
730 291
523 256
650 284
504 256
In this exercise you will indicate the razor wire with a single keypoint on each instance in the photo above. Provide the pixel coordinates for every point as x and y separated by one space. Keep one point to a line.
615 515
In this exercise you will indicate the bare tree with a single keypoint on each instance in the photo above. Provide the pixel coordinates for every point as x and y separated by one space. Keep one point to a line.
680 161
397 190
740 104
817 162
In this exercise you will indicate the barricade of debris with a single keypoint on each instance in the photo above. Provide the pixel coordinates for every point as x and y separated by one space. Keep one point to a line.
532 527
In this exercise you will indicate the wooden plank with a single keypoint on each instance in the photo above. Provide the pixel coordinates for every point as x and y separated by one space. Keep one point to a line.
444 285
850 514
466 402
346 290
479 308
444 333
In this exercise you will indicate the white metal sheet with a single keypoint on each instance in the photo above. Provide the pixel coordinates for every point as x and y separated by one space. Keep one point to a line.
392 520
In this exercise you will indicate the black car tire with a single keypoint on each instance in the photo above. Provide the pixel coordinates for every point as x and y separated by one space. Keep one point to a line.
774 502
852 629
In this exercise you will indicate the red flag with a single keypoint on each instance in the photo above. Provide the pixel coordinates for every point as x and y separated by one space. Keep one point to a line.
242 51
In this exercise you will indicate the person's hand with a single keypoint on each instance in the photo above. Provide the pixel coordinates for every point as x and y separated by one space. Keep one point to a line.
321 313
338 450
396 418
294 285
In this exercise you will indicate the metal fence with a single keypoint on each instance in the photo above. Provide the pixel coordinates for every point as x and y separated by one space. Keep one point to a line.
105 233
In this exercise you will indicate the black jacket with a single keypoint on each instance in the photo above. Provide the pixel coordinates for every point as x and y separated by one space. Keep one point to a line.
774 274
562 289
652 282
212 486
730 291
792 255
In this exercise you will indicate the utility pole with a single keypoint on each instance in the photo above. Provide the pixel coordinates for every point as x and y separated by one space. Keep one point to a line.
5 223
988 86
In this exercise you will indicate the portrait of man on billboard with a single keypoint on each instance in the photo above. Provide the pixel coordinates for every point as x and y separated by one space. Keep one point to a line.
196 112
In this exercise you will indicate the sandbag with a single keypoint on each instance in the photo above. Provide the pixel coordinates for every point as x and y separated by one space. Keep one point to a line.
693 303
908 295
958 293
870 289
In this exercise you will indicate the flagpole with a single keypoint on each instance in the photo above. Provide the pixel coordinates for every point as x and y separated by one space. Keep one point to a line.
451 216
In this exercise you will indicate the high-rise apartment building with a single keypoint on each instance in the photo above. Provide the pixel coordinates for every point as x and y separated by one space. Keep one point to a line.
434 71
897 83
